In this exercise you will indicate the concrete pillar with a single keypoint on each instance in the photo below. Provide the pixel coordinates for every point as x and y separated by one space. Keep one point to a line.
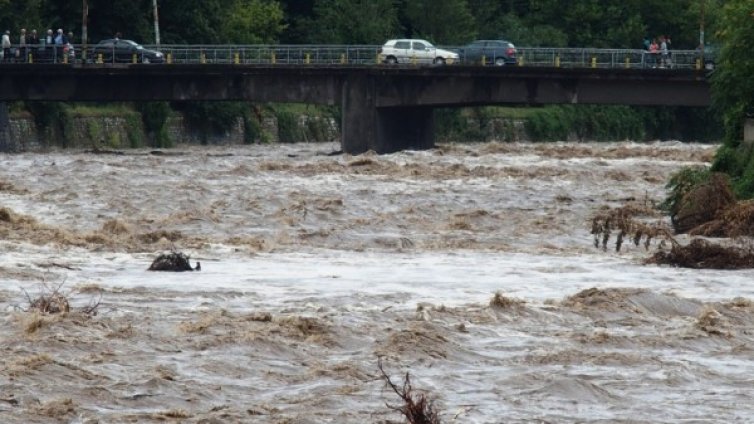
358 115
5 141
383 130
749 131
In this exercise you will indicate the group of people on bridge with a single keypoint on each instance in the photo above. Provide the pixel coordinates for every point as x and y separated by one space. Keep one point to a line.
659 52
53 46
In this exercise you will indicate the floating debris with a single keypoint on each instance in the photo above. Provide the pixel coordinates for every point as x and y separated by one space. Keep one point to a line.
173 261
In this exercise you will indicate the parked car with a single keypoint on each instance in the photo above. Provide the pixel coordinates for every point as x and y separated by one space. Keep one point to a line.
494 52
123 51
415 51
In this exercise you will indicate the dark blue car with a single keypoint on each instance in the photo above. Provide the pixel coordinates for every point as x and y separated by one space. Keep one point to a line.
494 52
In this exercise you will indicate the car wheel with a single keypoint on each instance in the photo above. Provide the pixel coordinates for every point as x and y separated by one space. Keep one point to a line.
391 60
439 61
500 61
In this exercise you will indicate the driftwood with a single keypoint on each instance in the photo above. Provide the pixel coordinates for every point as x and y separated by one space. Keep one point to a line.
416 407
51 300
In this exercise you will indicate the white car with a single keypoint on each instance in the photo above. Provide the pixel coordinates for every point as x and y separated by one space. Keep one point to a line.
415 51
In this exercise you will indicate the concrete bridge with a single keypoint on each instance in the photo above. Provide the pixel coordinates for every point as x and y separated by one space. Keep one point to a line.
384 109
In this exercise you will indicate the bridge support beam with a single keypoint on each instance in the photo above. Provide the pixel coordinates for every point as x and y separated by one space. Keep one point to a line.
365 126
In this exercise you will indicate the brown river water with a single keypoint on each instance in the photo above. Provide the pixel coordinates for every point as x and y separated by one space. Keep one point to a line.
313 266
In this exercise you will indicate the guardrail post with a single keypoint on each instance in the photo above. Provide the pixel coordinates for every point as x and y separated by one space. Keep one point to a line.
65 58
343 59
202 58
134 59
484 60
308 58
628 62
99 59
379 58
413 60
698 64
236 58
521 60
170 58
272 58
594 62
31 58
557 61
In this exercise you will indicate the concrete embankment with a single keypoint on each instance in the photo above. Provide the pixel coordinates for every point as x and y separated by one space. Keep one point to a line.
24 134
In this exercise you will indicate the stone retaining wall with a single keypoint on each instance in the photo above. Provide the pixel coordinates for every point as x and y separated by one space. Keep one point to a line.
121 132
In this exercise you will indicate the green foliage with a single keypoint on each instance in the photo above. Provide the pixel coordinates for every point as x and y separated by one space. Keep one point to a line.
682 182
54 119
513 28
94 132
253 22
610 123
584 122
135 131
252 129
550 124
733 92
154 116
441 21
472 124
352 21
289 130
214 118
451 125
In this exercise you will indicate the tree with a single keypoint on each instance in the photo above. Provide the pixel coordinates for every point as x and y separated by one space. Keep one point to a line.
106 18
253 22
353 21
733 92
516 30
441 21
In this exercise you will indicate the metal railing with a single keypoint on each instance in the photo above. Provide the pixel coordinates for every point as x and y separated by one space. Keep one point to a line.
331 55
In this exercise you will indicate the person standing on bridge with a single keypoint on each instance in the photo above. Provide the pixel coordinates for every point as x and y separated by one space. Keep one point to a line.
653 50
22 45
6 46
33 41
59 43
48 45
664 54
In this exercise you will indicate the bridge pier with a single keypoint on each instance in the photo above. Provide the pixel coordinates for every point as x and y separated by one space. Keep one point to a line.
365 126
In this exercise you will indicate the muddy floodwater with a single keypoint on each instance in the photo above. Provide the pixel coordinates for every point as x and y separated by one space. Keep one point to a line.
313 266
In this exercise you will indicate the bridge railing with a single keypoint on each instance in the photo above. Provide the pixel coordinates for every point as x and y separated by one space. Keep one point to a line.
271 54
606 58
357 55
